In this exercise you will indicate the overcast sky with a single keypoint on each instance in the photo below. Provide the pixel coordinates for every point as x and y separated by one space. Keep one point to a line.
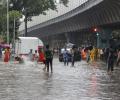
52 14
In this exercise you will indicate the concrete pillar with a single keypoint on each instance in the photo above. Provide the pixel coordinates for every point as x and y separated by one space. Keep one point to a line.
67 37
98 40
104 37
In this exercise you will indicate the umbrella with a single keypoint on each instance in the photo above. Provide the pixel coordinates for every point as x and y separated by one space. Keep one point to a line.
70 45
74 46
5 45
89 48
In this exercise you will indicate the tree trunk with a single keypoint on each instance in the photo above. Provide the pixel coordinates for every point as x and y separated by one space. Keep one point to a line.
25 26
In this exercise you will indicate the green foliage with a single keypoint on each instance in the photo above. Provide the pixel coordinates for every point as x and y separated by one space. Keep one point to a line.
31 8
35 7
3 22
14 15
28 8
2 19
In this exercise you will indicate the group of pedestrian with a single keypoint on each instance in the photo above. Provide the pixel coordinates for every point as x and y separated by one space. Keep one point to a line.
70 56
109 55
90 54
43 56
5 54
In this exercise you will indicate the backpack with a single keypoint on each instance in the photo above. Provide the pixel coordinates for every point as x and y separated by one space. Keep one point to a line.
48 54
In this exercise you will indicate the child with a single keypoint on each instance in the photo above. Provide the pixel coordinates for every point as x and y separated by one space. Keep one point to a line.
35 57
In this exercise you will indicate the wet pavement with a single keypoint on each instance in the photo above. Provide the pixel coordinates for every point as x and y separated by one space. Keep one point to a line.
82 82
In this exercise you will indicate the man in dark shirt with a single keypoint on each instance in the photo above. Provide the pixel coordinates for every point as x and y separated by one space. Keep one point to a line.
49 58
111 59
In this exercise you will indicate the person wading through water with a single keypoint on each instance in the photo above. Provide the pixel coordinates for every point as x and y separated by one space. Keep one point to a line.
111 60
49 58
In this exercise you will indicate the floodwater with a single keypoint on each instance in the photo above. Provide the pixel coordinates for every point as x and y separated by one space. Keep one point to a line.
82 82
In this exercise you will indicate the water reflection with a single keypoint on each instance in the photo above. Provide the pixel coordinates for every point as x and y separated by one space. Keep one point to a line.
28 82
27 61
47 75
93 88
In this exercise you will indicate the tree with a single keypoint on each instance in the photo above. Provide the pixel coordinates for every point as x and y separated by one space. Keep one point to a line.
2 19
13 15
31 8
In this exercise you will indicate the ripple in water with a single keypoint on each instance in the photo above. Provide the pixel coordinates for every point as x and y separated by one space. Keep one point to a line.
27 60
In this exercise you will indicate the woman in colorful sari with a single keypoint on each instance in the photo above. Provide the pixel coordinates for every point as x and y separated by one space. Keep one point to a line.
41 58
7 55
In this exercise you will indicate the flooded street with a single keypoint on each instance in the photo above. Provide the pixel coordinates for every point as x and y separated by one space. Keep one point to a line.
39 31
82 82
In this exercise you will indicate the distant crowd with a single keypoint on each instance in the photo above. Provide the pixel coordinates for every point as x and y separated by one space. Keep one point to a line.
37 56
91 54
110 56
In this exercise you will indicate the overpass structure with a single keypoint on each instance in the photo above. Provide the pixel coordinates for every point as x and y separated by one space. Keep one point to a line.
75 26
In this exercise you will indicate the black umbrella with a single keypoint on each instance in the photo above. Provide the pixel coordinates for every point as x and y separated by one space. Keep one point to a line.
89 48
74 47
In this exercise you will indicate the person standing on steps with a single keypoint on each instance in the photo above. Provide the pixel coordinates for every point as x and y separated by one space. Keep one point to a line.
49 58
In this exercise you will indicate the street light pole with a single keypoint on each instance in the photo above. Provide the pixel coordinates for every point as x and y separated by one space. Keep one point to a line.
7 21
14 34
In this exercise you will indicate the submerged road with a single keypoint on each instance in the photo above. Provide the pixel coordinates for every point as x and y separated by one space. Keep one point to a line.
82 82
